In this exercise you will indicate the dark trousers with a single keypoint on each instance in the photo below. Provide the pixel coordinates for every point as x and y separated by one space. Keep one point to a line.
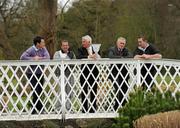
120 93
120 84
37 89
89 87
148 72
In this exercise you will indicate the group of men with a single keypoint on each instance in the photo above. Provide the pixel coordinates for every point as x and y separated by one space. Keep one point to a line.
38 51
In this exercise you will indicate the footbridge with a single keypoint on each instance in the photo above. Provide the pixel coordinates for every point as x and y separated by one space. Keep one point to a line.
72 89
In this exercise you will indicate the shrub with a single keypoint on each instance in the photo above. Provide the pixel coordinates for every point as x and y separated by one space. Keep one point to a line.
144 103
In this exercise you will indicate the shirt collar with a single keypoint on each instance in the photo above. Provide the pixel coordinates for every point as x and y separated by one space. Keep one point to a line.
119 49
90 50
143 49
89 47
64 52
36 49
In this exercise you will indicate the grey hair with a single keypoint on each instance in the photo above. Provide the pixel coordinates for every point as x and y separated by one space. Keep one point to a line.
87 37
121 39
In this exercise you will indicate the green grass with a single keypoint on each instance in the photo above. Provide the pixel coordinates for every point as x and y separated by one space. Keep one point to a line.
167 79
166 83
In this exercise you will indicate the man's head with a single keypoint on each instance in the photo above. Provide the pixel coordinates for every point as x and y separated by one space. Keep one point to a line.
142 41
121 42
86 41
65 46
39 42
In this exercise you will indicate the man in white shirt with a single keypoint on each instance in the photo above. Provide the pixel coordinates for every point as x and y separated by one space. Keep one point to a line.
62 54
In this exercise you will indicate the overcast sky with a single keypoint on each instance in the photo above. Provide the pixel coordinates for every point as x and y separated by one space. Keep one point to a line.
62 2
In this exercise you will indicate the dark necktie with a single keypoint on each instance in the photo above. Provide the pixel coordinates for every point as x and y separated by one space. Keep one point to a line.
119 51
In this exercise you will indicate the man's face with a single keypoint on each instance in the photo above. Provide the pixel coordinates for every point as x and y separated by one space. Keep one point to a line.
120 44
65 46
85 43
142 43
41 44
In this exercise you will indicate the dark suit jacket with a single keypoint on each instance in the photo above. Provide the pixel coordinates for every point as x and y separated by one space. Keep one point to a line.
114 53
82 54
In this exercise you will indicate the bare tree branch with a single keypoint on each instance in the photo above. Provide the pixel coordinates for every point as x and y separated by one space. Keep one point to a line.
64 6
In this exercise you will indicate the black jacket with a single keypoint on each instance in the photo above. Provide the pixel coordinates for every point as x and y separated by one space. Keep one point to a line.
82 54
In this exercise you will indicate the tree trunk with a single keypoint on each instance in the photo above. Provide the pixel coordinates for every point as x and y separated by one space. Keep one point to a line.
47 20
8 52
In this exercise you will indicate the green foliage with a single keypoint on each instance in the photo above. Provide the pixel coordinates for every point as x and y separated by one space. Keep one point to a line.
144 103
1 54
106 20
92 17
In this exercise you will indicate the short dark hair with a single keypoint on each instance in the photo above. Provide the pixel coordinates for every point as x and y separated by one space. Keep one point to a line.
143 37
64 41
37 39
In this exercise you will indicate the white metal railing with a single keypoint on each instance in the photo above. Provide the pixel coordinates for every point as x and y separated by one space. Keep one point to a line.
78 88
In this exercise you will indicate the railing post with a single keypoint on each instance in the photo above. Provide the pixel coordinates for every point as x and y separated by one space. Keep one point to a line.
63 89
138 68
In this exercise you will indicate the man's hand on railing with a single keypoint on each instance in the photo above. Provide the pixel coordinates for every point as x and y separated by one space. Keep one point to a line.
139 57
147 56
93 56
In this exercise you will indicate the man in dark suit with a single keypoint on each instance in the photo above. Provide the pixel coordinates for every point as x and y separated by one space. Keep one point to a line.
88 78
119 51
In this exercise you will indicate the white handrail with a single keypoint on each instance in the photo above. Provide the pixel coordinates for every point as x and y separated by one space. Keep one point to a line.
34 90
